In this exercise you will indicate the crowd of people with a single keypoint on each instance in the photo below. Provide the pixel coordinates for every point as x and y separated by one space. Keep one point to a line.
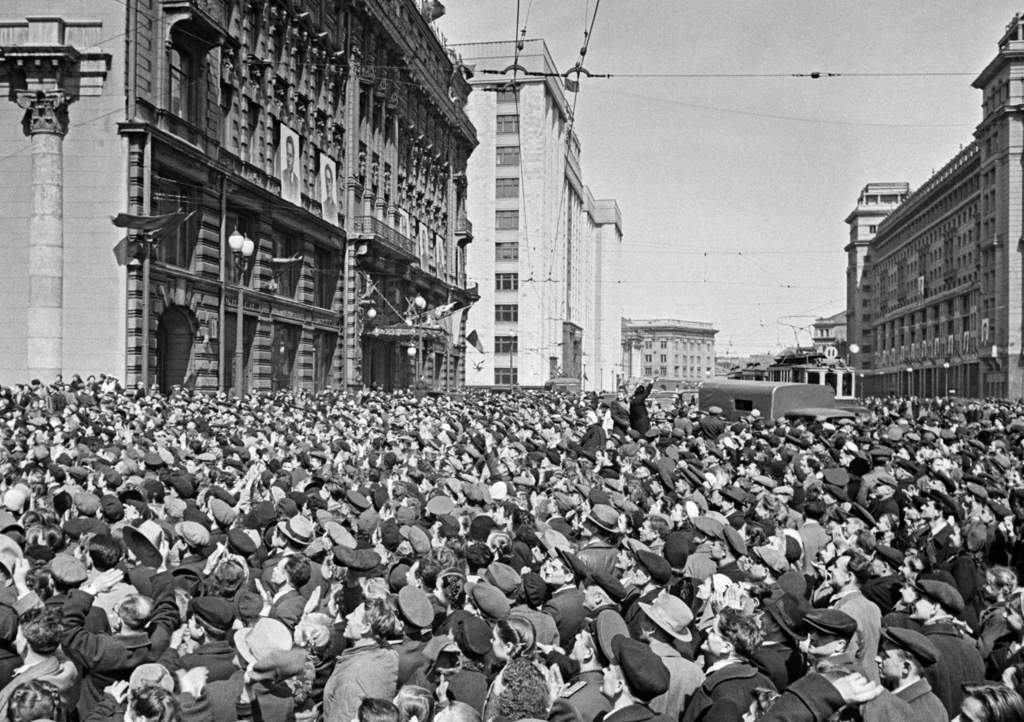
485 557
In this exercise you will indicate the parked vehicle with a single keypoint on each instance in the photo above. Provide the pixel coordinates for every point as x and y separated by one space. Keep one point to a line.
771 398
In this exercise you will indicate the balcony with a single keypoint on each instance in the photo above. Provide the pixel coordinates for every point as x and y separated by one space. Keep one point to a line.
372 229
463 230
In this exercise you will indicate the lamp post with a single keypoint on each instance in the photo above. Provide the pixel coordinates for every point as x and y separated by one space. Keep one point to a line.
242 249
945 379
910 381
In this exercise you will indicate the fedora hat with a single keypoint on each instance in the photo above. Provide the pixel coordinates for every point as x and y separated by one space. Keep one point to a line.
298 529
671 614
144 542
263 638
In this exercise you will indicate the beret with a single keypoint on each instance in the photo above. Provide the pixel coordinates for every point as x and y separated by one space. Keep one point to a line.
912 641
655 565
645 674
473 635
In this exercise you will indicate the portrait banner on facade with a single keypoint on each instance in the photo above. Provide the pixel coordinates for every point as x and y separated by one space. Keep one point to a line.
291 166
329 188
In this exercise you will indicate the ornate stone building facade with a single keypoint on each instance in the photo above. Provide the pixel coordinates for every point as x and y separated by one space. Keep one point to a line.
942 276
329 133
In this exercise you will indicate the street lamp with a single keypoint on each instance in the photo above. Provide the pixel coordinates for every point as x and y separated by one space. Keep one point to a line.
910 381
242 249
945 378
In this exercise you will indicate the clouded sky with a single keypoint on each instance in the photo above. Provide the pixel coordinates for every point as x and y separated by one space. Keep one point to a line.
734 190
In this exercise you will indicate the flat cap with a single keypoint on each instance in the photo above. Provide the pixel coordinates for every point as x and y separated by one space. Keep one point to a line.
709 527
68 570
415 607
944 594
912 641
831 621
214 612
491 601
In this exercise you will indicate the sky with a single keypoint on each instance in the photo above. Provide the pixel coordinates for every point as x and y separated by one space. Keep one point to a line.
734 190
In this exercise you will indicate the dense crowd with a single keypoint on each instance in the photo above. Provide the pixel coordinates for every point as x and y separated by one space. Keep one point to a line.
534 556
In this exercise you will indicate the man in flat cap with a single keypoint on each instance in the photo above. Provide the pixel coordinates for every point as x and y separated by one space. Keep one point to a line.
936 606
844 579
902 659
209 621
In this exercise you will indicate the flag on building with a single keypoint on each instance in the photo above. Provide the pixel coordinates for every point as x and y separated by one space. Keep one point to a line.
474 340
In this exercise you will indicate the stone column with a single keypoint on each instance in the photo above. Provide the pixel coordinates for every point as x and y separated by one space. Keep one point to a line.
46 123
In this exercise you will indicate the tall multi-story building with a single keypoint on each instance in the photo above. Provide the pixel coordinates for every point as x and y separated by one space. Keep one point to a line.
290 176
876 201
680 354
546 250
945 267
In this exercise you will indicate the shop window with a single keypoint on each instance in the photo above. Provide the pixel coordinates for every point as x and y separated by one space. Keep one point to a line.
170 195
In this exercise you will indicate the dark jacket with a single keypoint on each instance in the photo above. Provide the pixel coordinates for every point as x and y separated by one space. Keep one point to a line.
959 662
732 685
582 700
217 656
106 658
566 608
634 713
810 699
639 418
924 703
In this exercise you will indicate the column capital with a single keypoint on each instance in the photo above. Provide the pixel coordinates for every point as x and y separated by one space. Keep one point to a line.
47 111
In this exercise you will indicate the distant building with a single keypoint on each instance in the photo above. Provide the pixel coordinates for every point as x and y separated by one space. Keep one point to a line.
679 353
876 201
830 331
943 272
546 250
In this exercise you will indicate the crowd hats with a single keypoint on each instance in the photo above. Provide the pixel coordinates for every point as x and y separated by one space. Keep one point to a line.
214 613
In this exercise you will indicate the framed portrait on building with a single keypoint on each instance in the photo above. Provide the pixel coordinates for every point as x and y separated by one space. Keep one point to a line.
290 165
329 188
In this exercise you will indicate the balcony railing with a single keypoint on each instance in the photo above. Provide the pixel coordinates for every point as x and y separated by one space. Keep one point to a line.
463 227
380 232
